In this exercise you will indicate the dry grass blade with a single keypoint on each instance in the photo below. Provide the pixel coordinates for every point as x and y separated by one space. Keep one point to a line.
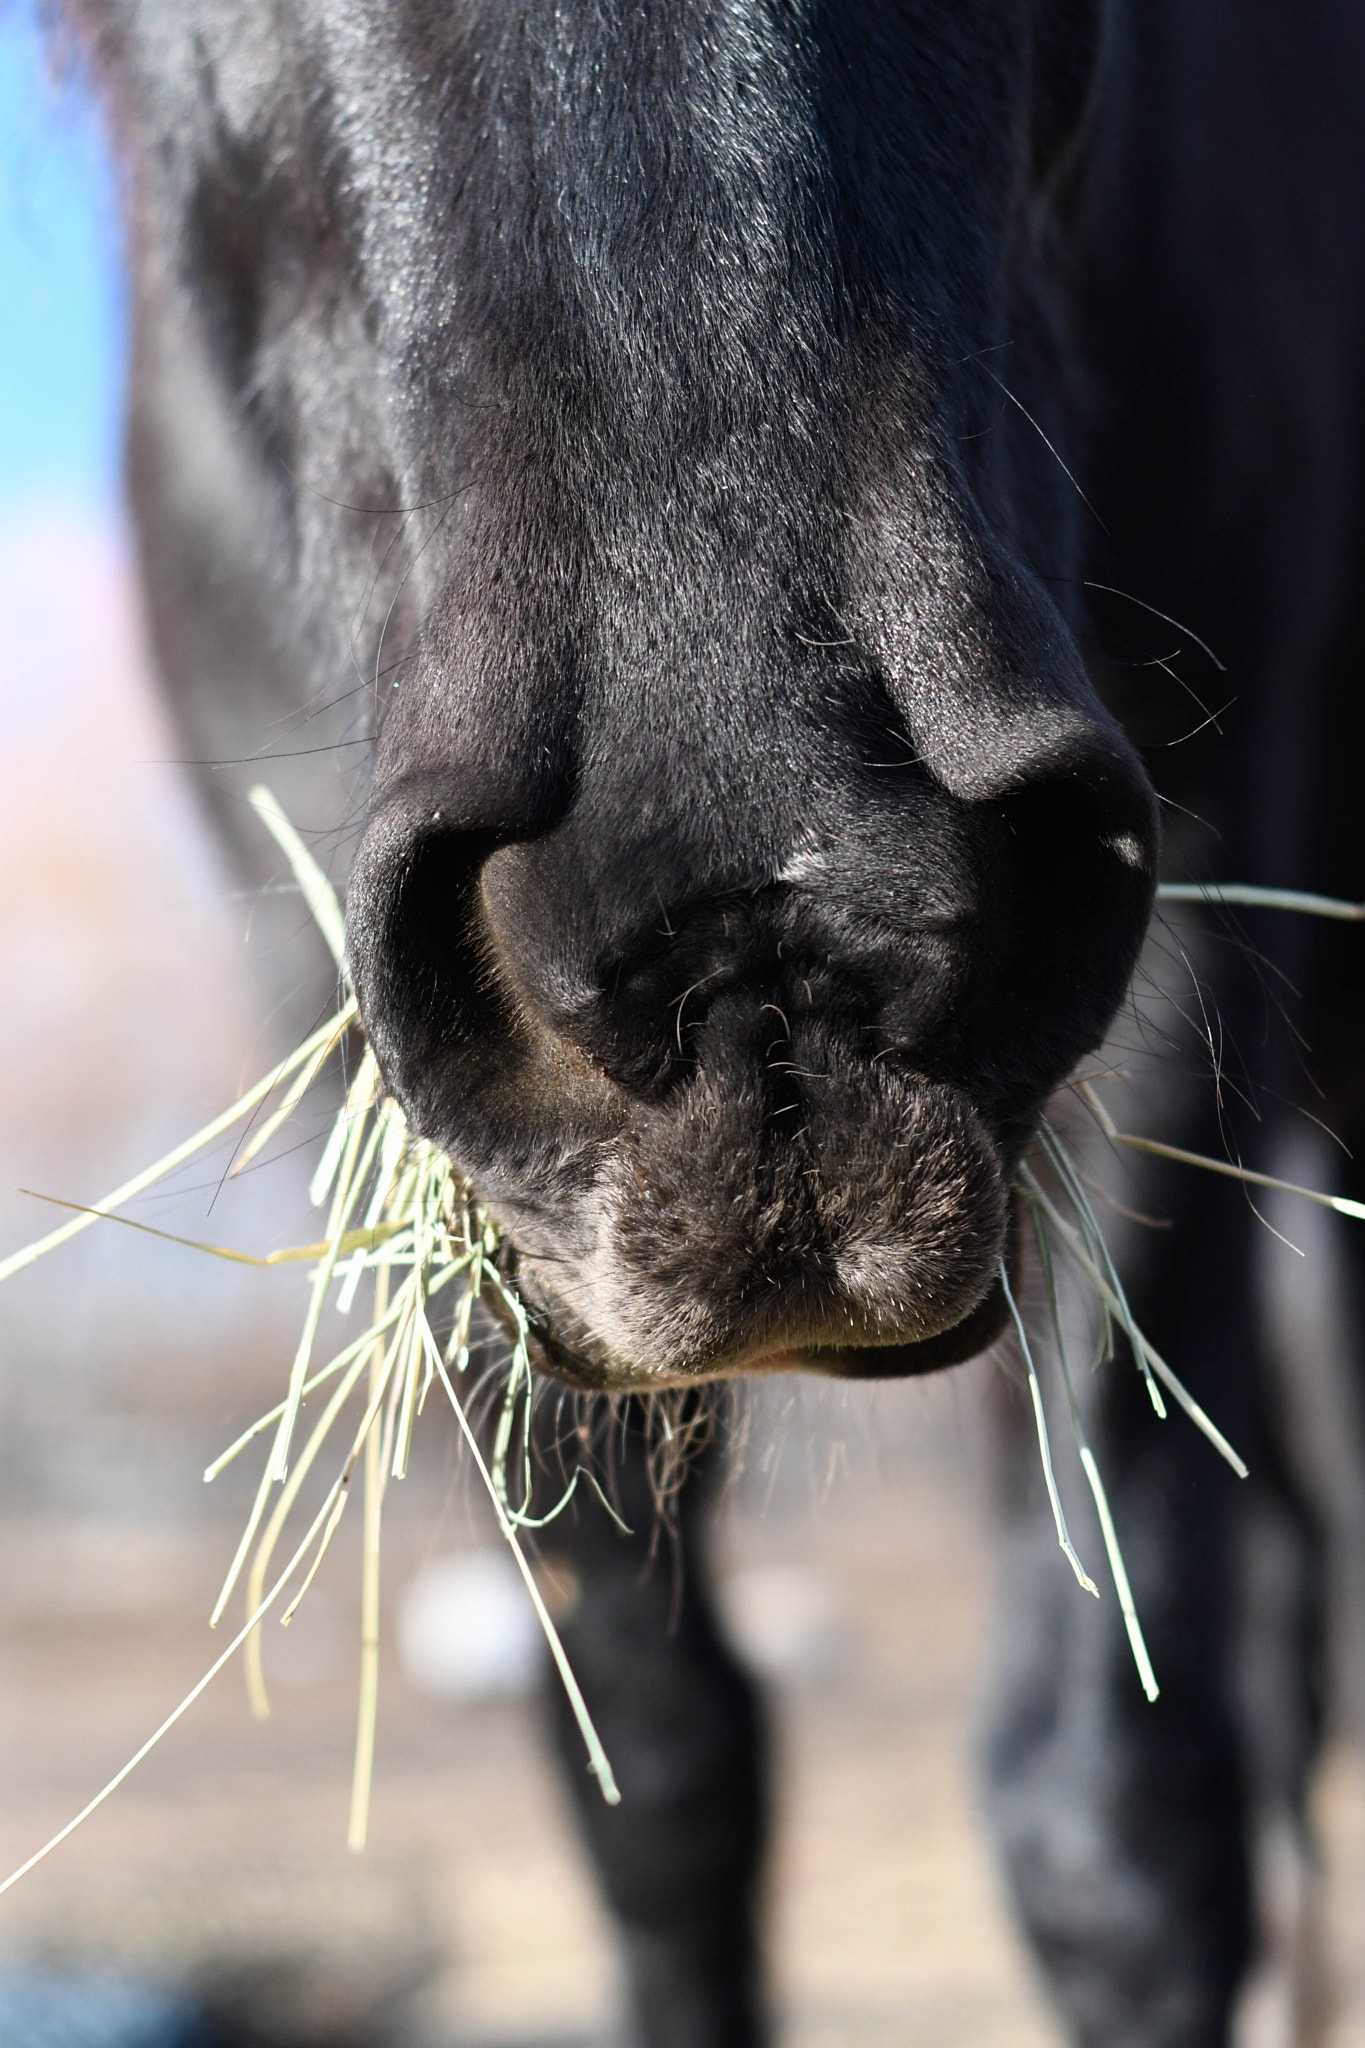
1060 1161
191 1696
348 1193
293 1096
1083 1577
314 887
1084 1241
291 1254
1075 1245
367 1709
140 1182
597 1756
1248 896
1118 1571
1343 1205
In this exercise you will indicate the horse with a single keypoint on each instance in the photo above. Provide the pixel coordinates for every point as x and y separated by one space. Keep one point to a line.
723 489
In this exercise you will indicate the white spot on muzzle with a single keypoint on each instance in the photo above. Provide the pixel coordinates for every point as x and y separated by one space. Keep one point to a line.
1128 847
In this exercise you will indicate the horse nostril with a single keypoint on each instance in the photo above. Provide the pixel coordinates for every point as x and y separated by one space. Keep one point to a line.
1081 878
459 1045
413 948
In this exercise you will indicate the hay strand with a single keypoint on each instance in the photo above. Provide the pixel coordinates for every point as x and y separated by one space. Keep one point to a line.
181 1154
314 887
120 1776
1118 1571
1250 897
1083 1577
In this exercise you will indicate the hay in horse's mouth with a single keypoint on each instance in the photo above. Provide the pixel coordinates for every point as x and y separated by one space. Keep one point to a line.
400 1215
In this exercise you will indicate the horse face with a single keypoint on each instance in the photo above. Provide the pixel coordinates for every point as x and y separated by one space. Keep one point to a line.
747 855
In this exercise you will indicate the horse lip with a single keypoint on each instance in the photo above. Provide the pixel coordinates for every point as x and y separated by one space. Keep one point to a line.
961 1341
954 1346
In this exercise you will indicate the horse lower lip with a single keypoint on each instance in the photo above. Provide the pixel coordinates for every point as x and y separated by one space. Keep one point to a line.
892 1359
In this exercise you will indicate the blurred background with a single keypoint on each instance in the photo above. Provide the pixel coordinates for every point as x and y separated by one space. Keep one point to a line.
853 1540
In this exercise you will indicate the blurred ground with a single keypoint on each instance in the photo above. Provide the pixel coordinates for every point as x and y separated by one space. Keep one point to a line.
854 1544
229 1847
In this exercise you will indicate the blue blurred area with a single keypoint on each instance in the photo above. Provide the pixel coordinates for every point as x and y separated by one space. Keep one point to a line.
40 2009
62 302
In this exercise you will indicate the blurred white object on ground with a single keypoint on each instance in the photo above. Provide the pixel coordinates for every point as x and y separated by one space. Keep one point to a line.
467 1631
788 1621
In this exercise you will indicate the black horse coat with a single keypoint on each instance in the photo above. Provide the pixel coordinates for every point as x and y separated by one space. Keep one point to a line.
720 455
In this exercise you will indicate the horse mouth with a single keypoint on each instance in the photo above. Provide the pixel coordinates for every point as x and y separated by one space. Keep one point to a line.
707 1248
953 1346
584 1366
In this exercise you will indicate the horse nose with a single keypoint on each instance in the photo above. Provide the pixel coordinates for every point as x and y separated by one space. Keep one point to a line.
987 936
